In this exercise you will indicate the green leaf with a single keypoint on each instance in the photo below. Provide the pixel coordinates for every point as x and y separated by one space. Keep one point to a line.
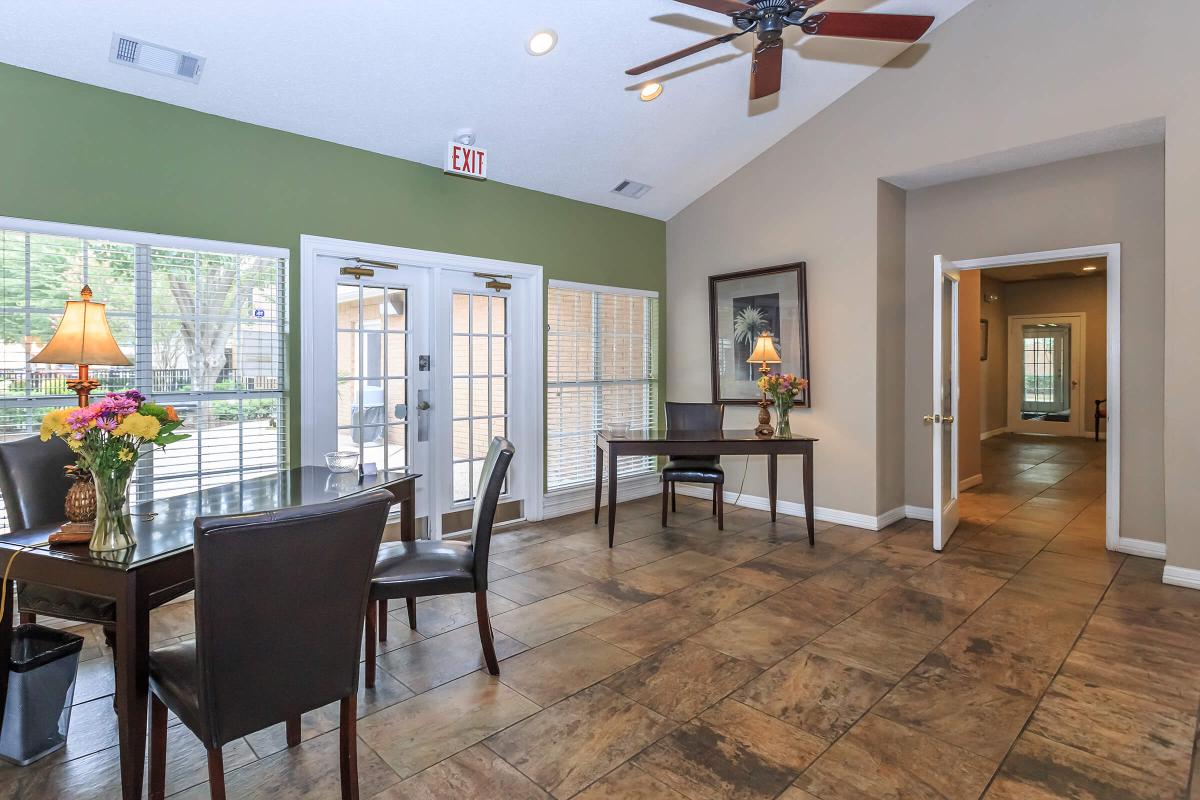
165 439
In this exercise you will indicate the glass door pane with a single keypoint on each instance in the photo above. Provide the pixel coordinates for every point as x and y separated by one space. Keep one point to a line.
479 384
1046 368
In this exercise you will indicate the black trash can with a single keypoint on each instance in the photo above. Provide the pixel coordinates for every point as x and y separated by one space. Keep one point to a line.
41 688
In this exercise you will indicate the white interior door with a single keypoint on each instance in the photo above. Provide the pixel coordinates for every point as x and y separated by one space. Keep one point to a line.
1045 374
945 400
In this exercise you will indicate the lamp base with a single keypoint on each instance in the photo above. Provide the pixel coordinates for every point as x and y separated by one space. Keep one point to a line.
83 386
764 429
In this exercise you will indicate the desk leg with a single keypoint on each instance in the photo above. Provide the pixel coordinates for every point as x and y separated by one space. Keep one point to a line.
599 482
408 533
6 633
612 494
773 481
808 498
133 681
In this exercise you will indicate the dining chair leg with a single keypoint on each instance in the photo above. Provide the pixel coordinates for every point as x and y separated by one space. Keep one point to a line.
714 502
719 494
158 748
673 509
666 494
411 602
293 731
485 632
382 620
369 640
348 747
216 774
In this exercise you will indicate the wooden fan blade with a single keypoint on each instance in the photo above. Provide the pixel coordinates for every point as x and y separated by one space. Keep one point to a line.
687 51
720 6
894 27
766 72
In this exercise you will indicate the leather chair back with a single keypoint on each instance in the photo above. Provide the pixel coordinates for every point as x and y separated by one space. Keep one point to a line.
487 495
696 417
32 481
280 602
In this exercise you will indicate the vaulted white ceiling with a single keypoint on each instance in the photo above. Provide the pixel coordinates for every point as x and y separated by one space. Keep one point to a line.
400 77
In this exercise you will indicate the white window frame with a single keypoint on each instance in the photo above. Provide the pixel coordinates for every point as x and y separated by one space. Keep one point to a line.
144 242
568 499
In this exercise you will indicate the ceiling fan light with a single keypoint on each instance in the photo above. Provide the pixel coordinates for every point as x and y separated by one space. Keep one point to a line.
1090 268
541 43
650 91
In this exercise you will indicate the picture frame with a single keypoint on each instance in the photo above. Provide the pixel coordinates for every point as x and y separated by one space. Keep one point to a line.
743 305
983 340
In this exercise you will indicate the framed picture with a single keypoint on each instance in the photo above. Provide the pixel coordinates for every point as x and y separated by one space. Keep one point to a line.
744 305
983 339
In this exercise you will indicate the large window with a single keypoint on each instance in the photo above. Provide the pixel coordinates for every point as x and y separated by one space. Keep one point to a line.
204 326
602 348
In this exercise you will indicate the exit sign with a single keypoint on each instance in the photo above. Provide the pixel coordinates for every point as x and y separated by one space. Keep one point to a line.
463 159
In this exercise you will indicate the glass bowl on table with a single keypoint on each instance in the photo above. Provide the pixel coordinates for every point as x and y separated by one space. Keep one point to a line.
342 461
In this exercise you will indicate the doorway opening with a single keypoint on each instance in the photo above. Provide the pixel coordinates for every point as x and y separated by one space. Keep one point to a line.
1027 397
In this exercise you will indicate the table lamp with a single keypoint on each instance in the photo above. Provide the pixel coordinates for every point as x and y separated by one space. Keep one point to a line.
83 338
764 354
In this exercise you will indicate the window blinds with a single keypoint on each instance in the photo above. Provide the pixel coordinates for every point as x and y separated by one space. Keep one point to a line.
602 351
205 330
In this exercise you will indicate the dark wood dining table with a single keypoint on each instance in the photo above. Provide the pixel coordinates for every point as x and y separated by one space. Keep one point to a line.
162 561
611 446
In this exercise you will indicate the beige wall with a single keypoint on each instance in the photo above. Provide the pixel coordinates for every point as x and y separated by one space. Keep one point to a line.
969 369
1090 297
993 373
990 82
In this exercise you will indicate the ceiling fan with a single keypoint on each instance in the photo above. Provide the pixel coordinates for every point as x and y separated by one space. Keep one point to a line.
767 19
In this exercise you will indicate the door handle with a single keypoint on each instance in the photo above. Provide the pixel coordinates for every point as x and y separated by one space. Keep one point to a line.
931 419
423 406
949 420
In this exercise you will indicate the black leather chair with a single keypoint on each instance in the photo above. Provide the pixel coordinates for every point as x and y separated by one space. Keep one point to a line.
280 599
692 469
34 487
424 568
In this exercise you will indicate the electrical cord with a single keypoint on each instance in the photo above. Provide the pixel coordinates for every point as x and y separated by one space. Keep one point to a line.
4 596
745 469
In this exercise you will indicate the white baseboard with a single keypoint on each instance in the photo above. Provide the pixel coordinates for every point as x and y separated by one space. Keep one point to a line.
994 432
1181 576
794 509
572 501
919 512
1142 547
970 483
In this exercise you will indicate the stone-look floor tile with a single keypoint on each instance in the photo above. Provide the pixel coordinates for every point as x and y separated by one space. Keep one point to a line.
1111 724
1056 591
793 793
958 708
804 558
682 680
956 583
717 597
732 548
1160 674
647 628
423 730
674 572
887 652
538 623
538 584
533 556
614 594
820 695
880 758
605 562
1082 545
766 575
1007 543
762 634
731 752
308 771
1000 565
440 659
1039 769
516 538
1059 565
172 620
569 745
475 772
628 782
441 614
387 692
912 610
827 606
863 575
558 669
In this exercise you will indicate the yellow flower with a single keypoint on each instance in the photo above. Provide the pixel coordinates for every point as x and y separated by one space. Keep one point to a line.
75 444
141 426
55 423
126 454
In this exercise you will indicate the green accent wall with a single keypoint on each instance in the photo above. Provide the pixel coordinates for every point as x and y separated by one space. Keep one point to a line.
75 153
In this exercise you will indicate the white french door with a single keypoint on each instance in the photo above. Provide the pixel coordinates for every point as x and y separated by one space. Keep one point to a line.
945 400
1045 374
416 361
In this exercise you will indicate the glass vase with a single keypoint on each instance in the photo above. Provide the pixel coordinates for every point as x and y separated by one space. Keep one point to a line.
114 528
783 423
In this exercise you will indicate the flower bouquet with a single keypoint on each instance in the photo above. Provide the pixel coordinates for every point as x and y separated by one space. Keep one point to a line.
107 437
782 389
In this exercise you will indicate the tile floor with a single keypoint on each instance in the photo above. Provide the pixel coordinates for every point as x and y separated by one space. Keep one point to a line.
1024 662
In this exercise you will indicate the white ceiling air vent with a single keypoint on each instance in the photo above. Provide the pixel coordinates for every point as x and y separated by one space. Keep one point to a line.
155 58
628 188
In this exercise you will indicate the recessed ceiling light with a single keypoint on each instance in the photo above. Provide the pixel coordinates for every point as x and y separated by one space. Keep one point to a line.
1090 268
541 43
650 91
